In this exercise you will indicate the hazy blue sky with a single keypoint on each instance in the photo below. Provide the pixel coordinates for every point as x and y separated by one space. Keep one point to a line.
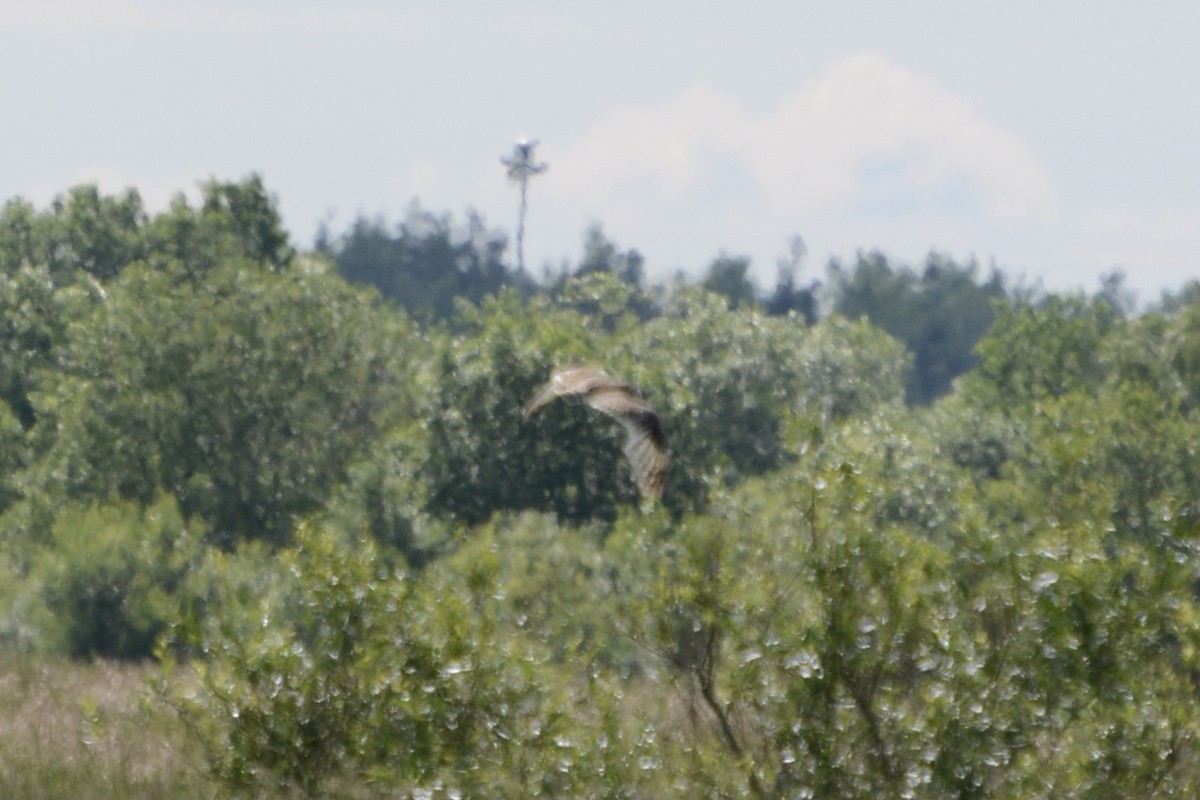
1059 139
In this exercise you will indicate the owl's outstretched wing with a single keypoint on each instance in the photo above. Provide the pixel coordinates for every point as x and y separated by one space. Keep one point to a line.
645 443
571 382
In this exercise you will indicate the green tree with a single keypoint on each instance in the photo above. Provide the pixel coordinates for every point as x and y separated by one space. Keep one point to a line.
1046 350
82 232
605 301
32 328
246 396
728 275
939 315
787 298
386 495
739 390
601 254
428 262
53 262
234 221
483 457
13 455
723 382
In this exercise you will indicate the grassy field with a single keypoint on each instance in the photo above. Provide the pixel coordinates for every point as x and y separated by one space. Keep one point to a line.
86 731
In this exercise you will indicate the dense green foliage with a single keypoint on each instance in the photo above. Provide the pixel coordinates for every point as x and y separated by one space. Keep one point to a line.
245 396
365 574
427 263
939 314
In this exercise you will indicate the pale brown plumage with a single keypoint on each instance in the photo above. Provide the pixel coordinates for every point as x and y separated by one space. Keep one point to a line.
645 444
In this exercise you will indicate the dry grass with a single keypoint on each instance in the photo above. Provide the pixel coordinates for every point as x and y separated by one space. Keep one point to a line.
88 731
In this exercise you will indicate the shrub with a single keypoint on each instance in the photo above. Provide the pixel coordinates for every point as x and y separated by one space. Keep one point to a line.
110 573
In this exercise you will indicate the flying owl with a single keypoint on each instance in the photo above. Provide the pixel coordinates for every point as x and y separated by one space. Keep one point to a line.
645 445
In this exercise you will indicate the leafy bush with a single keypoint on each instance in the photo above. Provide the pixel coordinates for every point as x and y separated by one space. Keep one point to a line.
836 652
110 574
358 674
247 397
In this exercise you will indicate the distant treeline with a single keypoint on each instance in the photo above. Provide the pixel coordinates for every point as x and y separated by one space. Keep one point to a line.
940 309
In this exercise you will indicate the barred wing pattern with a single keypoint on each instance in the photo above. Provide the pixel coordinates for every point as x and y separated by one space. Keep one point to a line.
645 443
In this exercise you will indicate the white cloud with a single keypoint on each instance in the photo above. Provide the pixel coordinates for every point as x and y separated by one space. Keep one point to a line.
811 152
666 150
866 146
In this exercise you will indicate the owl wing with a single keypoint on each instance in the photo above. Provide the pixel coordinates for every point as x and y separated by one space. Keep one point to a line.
570 382
645 442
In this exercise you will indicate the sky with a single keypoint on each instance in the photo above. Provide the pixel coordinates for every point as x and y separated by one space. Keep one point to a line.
1057 140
